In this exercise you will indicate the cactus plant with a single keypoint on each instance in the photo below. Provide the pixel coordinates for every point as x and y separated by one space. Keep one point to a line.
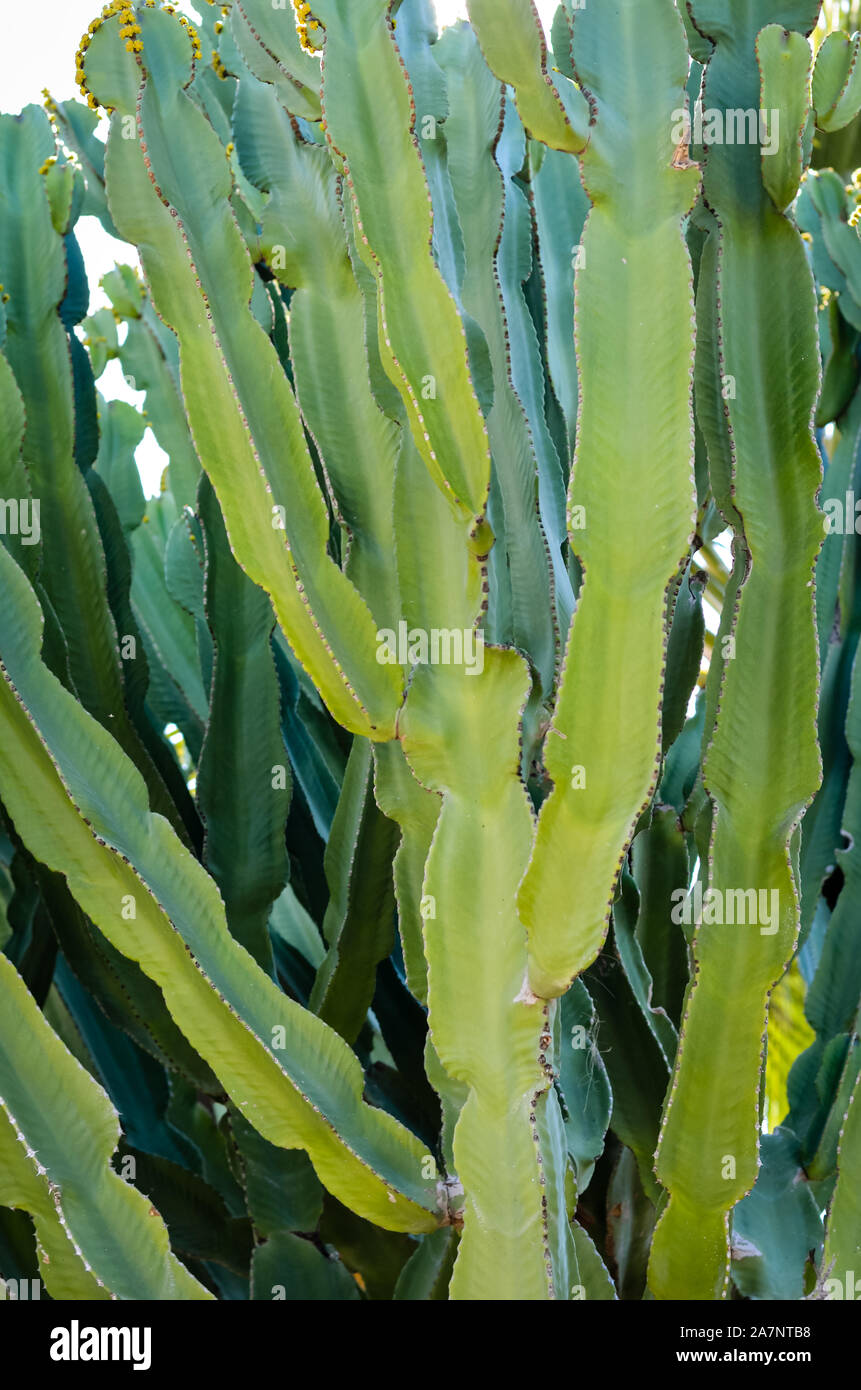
408 816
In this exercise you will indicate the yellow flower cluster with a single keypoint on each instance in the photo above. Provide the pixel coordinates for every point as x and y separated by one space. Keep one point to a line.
196 50
220 69
130 31
305 21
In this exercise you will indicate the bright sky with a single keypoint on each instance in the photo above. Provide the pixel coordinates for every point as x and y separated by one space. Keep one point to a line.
40 38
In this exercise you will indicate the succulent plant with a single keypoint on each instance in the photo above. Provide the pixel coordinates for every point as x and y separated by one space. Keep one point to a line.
408 890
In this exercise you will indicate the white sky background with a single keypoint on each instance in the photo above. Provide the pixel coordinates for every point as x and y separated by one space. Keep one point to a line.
39 42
